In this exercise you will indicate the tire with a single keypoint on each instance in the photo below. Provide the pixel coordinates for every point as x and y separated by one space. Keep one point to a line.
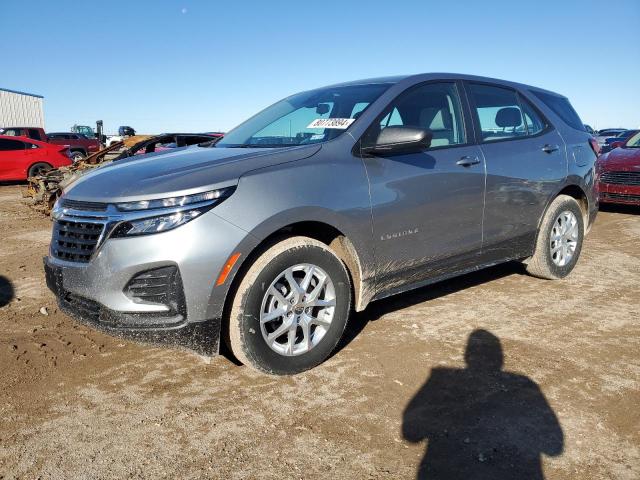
38 169
555 258
76 156
247 336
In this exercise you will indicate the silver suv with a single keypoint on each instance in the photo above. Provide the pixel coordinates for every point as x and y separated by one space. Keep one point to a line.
322 203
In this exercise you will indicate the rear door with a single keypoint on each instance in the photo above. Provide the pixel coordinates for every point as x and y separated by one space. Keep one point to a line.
13 162
427 206
525 161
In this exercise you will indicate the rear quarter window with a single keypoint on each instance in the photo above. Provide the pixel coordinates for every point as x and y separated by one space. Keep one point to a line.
561 107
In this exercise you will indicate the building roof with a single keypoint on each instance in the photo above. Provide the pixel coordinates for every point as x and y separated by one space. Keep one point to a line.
20 93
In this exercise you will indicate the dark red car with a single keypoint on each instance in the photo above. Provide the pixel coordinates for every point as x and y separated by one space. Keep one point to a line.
79 145
619 174
22 157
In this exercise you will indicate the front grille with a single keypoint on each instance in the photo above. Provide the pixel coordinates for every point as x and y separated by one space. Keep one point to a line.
79 205
160 285
621 178
75 241
620 196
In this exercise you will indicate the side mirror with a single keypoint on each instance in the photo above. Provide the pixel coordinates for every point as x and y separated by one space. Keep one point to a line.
400 140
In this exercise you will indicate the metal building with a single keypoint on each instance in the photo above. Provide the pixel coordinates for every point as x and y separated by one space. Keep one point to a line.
20 109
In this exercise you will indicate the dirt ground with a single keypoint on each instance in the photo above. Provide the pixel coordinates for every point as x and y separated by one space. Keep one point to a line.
76 403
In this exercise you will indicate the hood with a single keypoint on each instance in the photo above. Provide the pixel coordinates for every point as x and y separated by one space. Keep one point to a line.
621 158
183 172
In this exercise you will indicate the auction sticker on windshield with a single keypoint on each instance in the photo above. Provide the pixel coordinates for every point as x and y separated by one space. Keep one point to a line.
341 123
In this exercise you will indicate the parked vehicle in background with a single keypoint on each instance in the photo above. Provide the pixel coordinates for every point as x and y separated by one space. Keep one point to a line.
34 133
84 130
589 129
23 157
79 145
123 132
617 141
322 203
169 141
602 135
619 173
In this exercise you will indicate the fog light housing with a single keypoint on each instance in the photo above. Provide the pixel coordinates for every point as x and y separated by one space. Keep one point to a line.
158 286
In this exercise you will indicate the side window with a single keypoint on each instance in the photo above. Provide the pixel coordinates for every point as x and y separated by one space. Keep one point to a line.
10 145
11 132
434 106
498 112
562 108
535 123
30 146
33 133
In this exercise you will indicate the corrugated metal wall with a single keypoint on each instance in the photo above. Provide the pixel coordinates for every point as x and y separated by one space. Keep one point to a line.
20 110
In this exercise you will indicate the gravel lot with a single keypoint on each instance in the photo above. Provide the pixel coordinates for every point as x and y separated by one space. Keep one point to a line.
397 401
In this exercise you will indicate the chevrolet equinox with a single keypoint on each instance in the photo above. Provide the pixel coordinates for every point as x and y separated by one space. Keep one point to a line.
321 203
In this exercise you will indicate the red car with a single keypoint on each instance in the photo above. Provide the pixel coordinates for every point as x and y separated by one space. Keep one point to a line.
619 173
22 157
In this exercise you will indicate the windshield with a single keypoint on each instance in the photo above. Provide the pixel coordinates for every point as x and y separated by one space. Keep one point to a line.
634 142
305 118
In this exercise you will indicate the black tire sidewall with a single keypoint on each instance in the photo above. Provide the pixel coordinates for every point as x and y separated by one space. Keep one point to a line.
38 168
566 205
256 347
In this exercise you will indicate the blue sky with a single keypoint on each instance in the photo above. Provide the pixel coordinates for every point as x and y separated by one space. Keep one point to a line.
195 65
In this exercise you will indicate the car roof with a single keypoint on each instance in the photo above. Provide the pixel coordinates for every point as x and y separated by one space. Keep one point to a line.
24 139
441 75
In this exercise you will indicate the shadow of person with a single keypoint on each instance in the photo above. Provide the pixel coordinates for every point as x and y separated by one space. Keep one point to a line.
482 422
6 291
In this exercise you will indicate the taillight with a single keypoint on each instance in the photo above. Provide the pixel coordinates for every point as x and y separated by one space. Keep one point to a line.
594 146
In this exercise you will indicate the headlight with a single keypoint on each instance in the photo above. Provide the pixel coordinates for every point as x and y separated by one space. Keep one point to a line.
159 222
155 224
213 195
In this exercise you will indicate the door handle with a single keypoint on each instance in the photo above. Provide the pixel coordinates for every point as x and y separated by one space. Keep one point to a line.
550 148
467 161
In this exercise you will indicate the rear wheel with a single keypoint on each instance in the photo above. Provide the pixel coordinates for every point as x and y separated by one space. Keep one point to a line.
76 156
559 240
38 169
291 307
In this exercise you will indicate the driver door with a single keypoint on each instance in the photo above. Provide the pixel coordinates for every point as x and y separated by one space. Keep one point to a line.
427 207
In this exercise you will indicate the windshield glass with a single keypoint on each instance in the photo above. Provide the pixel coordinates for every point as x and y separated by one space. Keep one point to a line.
308 117
634 142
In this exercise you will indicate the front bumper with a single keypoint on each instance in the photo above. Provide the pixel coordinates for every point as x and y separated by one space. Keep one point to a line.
620 194
95 292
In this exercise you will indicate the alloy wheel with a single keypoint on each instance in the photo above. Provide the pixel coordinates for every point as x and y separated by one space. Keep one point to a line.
297 309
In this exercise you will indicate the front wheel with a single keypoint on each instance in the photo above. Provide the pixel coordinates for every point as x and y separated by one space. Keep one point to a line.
291 307
559 241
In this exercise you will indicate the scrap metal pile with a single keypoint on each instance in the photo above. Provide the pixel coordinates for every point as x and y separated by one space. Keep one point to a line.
43 190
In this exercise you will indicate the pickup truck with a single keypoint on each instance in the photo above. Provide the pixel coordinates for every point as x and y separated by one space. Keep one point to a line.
79 145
